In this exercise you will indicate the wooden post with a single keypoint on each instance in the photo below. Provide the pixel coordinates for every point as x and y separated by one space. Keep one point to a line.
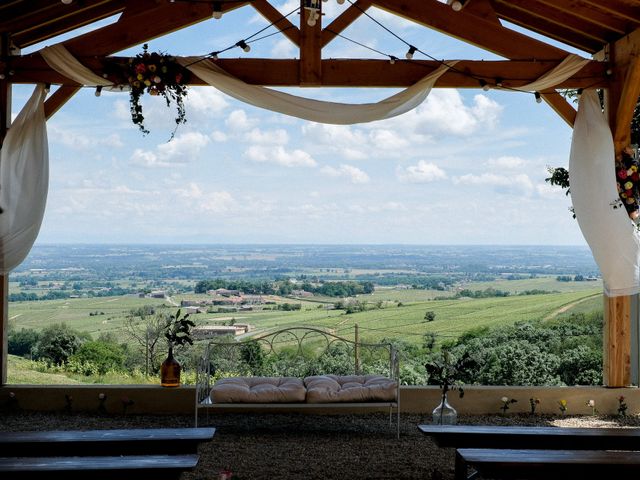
617 341
5 119
310 49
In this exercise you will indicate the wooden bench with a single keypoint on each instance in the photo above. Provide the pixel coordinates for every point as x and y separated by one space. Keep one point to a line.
539 442
485 436
153 453
138 441
547 464
131 467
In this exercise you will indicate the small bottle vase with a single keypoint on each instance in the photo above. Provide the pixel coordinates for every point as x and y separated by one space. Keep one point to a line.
445 414
170 371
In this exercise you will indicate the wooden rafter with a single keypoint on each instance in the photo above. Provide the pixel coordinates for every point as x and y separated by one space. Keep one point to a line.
560 105
354 73
472 29
345 19
561 32
589 14
287 28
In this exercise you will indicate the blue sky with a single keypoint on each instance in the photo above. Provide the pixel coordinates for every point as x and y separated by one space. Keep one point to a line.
466 167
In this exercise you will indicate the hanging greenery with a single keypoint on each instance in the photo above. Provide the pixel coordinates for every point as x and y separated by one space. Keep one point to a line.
157 74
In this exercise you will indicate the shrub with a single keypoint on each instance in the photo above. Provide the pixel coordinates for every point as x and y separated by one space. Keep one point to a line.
22 342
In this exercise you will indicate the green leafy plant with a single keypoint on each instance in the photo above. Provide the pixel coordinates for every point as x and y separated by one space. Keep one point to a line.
178 330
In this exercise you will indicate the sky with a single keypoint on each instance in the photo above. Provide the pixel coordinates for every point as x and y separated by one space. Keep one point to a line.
465 167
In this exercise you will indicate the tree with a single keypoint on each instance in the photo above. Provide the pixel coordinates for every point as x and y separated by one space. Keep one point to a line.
104 355
57 343
146 329
429 316
22 342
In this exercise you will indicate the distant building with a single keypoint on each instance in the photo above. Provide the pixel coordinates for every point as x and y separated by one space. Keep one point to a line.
208 331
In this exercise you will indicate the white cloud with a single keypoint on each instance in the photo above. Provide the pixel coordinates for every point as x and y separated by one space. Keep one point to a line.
183 147
218 136
519 184
283 48
77 140
237 121
205 100
279 156
354 174
423 172
506 162
180 150
267 137
445 112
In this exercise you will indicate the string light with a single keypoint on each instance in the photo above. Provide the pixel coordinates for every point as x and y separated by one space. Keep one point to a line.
98 90
243 45
538 97
217 11
411 51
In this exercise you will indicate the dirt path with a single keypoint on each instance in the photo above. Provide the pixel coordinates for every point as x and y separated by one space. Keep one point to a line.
568 306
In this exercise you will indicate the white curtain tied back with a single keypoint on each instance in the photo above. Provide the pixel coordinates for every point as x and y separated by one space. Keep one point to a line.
315 110
24 181
610 233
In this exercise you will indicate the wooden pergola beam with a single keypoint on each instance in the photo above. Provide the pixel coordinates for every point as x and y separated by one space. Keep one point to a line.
560 105
472 29
352 73
345 19
283 24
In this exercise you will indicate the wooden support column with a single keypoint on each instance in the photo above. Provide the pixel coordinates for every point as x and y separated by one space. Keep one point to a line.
621 98
617 341
5 120
310 50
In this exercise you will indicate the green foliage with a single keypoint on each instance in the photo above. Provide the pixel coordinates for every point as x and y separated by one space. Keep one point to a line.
57 343
22 342
178 329
103 356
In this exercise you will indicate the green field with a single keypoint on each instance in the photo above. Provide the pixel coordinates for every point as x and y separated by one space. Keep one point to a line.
453 317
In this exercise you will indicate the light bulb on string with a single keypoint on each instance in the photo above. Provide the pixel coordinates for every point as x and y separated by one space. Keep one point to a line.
217 11
243 45
410 52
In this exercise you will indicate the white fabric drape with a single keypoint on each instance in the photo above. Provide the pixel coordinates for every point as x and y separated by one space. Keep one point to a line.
611 235
59 58
564 70
314 110
24 181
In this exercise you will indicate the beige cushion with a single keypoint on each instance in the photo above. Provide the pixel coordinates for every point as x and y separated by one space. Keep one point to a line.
258 390
350 388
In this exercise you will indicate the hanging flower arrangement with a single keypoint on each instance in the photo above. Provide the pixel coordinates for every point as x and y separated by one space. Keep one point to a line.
157 74
628 182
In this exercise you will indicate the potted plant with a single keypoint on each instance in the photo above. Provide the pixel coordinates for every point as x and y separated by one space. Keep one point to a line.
178 333
445 372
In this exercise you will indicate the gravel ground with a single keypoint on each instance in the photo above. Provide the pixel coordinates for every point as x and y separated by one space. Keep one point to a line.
300 446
